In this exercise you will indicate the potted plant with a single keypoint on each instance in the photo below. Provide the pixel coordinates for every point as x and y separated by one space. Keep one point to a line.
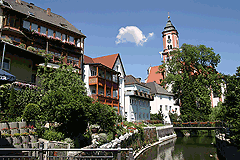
7 39
41 51
16 138
30 48
5 130
14 130
24 129
22 45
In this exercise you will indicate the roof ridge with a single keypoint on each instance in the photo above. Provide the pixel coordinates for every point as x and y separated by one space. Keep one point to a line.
106 56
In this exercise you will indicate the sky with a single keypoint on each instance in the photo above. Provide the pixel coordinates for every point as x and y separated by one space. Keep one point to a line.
133 28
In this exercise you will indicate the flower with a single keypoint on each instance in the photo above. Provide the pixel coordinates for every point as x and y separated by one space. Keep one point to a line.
25 127
5 129
33 133
25 134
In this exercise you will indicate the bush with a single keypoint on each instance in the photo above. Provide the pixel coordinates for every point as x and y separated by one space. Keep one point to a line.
31 112
52 135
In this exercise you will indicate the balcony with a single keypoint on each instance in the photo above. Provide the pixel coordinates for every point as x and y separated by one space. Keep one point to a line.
139 94
106 100
101 82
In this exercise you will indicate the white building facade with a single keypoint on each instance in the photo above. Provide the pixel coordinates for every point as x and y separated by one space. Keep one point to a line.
137 100
163 101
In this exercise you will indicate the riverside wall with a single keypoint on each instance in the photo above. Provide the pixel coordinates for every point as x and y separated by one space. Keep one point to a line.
225 149
164 133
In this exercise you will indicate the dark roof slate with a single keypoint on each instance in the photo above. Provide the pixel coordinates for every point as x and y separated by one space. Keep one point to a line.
129 79
41 14
157 89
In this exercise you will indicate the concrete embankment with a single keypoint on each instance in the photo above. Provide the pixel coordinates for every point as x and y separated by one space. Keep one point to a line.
225 149
164 133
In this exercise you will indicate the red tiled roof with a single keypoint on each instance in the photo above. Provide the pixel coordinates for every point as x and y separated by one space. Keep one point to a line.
108 61
153 76
87 59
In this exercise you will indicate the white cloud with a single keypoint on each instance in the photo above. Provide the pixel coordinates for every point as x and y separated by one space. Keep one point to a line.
132 34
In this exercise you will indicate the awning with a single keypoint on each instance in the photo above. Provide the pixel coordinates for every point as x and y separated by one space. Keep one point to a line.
6 77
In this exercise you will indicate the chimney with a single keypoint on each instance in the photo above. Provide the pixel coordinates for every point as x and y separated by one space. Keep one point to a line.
49 11
18 1
139 80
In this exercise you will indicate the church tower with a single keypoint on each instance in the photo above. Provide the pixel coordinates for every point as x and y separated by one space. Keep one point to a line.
170 39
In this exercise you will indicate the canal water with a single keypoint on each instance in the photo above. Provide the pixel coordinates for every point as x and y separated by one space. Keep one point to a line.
182 148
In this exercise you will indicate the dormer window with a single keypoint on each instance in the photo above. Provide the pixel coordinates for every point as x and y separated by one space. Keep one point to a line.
31 14
63 25
29 6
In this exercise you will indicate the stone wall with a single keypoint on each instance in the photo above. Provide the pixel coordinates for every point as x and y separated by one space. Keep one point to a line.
164 131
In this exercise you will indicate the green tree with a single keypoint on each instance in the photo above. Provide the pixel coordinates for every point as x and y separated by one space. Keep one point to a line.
31 112
192 74
231 110
103 115
63 98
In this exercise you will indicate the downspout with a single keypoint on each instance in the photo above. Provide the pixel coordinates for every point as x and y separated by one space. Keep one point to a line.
3 55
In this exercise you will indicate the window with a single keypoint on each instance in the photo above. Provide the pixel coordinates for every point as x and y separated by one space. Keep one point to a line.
170 98
93 73
26 24
71 39
64 37
50 32
58 35
93 91
170 107
166 107
43 30
161 108
168 37
34 27
160 96
170 46
6 63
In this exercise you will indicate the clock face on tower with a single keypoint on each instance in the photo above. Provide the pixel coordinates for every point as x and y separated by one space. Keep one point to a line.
169 40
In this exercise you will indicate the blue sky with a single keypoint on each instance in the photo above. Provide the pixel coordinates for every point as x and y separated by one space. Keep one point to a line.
212 23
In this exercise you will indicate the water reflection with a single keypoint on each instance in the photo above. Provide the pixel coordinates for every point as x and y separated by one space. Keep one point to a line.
187 148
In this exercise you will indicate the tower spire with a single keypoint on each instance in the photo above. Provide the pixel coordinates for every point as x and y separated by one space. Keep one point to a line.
168 16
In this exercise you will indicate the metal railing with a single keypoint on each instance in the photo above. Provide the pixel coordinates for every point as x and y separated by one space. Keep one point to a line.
48 154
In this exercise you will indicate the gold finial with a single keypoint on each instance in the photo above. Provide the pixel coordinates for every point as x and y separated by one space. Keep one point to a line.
168 16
